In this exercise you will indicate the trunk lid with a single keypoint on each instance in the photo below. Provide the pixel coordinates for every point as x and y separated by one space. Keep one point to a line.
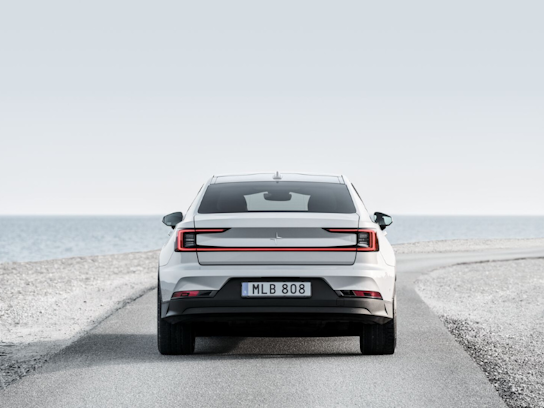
276 239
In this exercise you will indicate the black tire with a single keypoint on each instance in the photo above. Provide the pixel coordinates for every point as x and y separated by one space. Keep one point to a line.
377 339
173 339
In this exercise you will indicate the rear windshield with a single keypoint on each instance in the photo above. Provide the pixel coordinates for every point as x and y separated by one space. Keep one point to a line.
272 196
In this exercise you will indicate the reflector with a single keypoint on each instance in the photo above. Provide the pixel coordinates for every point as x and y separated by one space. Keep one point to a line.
185 293
367 294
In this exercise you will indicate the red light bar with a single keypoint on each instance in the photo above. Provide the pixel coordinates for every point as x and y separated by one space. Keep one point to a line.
265 249
373 244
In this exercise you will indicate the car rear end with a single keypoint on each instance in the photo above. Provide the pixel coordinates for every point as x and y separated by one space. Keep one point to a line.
277 257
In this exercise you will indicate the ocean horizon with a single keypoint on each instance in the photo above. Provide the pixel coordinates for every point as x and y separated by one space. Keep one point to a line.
41 237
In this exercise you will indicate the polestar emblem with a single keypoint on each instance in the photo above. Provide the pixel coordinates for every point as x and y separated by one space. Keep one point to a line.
278 236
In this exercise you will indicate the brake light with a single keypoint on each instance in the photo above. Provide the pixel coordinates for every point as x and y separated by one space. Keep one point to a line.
367 240
187 238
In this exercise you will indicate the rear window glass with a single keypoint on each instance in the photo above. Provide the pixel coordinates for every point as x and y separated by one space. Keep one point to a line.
272 196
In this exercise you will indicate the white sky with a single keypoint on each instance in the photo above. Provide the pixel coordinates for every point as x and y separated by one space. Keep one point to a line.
127 107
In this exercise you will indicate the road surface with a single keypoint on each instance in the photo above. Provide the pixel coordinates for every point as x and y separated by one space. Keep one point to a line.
117 363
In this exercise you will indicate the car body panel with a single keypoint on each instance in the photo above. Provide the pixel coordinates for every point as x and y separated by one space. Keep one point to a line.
184 271
276 230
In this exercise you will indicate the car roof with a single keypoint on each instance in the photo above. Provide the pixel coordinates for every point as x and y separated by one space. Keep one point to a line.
309 177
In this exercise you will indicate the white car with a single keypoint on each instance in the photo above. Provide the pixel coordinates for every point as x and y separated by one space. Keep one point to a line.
277 255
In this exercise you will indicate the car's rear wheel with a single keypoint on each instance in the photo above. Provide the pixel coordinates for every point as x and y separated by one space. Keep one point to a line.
173 339
380 338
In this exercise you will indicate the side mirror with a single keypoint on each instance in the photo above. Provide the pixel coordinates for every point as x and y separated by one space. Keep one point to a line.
171 220
383 220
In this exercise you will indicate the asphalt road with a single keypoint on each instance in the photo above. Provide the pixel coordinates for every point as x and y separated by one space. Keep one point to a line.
117 363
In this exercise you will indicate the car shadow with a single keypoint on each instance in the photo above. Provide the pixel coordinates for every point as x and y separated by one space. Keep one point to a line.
98 349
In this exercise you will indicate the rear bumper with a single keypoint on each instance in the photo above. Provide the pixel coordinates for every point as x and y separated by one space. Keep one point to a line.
325 306
368 273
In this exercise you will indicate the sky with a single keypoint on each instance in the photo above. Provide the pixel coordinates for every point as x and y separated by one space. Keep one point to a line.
128 107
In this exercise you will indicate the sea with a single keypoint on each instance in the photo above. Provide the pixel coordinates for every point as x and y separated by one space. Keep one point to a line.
36 238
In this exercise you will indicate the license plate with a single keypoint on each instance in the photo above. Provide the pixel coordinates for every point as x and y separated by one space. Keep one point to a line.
276 289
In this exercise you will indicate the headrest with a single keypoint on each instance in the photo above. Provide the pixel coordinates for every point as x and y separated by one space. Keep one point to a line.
321 203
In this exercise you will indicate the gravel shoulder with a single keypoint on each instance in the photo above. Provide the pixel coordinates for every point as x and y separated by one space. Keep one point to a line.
46 305
465 245
495 310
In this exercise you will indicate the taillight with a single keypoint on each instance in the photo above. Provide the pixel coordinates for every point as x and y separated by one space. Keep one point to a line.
367 240
187 238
